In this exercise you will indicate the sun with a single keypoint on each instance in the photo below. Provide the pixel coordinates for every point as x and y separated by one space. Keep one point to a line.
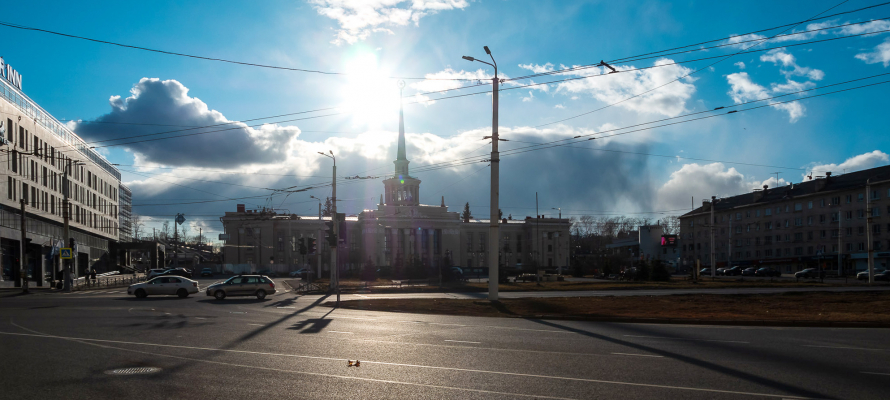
369 95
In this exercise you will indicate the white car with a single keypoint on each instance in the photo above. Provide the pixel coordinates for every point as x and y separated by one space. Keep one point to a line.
165 285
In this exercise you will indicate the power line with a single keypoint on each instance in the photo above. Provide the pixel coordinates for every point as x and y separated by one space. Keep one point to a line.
689 74
172 53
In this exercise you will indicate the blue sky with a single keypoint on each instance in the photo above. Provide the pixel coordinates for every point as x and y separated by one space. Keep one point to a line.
376 39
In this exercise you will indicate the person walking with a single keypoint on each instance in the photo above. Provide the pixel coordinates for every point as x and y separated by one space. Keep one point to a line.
93 276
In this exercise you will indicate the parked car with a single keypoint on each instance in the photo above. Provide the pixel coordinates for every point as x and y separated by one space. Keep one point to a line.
164 285
720 271
243 285
767 271
704 271
177 272
267 272
155 272
883 276
206 272
863 276
299 273
807 273
734 271
749 271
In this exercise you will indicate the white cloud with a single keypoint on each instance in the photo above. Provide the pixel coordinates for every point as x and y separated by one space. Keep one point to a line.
611 88
881 54
740 64
538 69
791 86
780 56
860 162
697 182
359 18
742 89
560 106
871 26
531 96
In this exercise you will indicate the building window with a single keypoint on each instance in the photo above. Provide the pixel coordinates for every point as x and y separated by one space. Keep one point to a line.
849 198
860 196
861 246
810 235
768 212
757 213
860 213
809 220
876 229
798 237
821 218
875 195
738 216
798 206
822 203
822 233
876 212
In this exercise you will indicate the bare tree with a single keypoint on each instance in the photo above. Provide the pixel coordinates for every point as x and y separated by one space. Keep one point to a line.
185 229
671 225
137 225
165 229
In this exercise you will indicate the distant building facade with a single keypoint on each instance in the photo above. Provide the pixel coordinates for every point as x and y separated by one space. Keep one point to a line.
798 226
398 229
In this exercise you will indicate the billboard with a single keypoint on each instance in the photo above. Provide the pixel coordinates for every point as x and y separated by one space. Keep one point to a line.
669 240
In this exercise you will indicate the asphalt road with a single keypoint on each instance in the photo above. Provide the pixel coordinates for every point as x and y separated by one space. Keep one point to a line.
64 346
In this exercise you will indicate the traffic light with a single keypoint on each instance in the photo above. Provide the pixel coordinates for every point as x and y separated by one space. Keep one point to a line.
329 233
72 243
312 245
303 246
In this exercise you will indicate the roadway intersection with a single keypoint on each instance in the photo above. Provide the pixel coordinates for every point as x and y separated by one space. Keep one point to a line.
66 346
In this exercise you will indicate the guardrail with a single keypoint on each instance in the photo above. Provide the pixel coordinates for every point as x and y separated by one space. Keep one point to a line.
312 287
106 282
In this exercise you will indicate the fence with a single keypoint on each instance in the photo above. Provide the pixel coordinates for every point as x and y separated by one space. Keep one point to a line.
112 279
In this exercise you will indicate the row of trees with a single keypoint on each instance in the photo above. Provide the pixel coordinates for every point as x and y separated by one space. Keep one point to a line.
591 235
184 232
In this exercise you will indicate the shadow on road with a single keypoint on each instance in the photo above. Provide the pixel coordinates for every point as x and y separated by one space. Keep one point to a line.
727 371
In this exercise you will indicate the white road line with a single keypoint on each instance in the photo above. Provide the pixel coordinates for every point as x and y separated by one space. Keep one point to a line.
461 341
363 319
200 318
348 333
256 324
841 347
874 373
486 326
638 355
364 297
391 364
700 340
285 307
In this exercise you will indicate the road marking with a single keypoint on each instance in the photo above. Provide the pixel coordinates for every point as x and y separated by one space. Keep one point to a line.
700 340
364 297
638 355
841 347
563 378
256 324
874 373
486 326
462 341
363 319
237 312
285 307
200 318
348 333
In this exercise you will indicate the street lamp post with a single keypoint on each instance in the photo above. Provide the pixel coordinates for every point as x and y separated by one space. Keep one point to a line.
495 171
335 278
318 241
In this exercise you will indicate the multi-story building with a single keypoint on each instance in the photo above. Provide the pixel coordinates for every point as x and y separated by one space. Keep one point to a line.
400 228
798 226
38 151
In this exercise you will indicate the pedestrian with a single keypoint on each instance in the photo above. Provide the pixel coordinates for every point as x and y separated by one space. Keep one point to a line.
93 275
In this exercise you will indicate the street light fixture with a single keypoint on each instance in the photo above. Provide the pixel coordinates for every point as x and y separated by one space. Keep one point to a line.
558 209
493 235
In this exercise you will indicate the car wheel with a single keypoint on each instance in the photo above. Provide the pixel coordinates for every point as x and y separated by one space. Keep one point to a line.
219 294
182 293
260 294
140 293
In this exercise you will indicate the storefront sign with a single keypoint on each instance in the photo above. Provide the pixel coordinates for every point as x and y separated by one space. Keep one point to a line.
12 76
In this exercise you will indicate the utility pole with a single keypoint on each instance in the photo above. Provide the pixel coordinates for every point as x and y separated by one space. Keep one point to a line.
729 253
711 225
23 253
336 225
493 235
871 247
840 247
175 245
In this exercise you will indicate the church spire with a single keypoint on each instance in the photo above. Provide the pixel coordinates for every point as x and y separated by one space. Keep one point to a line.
401 161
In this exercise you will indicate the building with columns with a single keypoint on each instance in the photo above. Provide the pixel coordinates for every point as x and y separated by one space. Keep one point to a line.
398 229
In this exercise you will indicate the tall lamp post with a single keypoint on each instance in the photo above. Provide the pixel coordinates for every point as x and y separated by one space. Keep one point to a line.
318 241
495 171
334 270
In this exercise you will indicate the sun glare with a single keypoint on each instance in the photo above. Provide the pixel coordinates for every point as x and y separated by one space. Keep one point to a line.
369 95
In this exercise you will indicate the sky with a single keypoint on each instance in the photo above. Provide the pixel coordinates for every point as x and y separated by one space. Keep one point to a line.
198 136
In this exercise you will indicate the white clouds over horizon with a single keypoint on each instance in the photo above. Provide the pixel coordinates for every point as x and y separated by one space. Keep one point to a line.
743 89
880 54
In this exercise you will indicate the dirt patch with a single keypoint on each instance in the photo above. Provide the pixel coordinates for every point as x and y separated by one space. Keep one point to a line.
867 307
